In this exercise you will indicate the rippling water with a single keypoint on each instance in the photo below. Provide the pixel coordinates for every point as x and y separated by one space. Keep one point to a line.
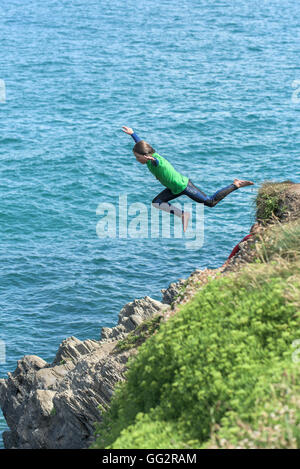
211 85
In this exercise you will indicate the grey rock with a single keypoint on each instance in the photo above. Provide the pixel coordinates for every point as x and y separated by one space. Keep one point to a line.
172 291
55 406
71 349
131 316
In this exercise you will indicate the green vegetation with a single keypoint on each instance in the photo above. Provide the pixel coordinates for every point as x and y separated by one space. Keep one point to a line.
275 419
221 372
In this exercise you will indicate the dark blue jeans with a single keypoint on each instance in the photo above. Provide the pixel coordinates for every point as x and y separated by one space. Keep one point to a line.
193 193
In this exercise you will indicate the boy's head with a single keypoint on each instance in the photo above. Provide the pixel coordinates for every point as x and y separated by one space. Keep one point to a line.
142 148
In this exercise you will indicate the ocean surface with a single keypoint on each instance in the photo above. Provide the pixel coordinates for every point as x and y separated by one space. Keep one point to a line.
213 86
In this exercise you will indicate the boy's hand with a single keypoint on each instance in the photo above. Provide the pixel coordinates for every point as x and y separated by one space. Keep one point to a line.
143 158
127 130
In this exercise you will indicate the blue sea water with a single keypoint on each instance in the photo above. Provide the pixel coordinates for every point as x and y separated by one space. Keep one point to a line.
212 85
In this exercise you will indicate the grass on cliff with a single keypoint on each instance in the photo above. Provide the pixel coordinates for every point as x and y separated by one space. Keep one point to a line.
270 201
278 242
224 371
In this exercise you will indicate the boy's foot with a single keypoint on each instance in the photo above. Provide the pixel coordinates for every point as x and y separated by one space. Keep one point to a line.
242 183
185 220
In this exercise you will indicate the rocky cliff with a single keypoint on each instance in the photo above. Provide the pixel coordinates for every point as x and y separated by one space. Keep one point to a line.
55 405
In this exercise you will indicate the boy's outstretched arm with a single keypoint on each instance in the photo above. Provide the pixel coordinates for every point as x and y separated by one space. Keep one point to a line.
131 132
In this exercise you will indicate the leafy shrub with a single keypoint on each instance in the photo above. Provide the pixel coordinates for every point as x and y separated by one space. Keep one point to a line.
277 418
210 364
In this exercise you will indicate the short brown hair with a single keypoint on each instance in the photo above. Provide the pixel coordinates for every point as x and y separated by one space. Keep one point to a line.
143 148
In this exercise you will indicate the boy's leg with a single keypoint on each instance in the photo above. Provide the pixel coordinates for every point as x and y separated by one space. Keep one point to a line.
161 201
199 196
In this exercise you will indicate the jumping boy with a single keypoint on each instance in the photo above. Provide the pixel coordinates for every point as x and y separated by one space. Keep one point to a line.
176 184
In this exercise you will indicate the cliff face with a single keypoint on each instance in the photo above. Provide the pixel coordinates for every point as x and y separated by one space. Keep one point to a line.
55 405
223 371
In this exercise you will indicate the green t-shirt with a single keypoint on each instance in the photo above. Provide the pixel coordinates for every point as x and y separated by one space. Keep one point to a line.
167 175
